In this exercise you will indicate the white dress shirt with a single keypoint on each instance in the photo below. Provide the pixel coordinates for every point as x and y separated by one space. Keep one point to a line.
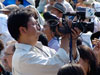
38 60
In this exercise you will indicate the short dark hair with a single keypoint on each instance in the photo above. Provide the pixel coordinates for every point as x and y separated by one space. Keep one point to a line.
71 69
86 53
95 35
18 18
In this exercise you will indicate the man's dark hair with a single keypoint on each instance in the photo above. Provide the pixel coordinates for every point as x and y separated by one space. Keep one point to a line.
95 35
19 18
71 69
86 53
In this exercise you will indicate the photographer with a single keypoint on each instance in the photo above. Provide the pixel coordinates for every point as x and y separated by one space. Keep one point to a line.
53 40
31 57
50 29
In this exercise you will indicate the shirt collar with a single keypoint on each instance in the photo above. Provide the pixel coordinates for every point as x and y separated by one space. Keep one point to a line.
23 46
39 44
27 46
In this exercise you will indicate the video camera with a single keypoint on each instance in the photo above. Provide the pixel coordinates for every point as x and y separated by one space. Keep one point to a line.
82 13
53 21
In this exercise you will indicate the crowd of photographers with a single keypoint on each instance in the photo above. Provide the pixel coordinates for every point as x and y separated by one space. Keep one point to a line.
49 37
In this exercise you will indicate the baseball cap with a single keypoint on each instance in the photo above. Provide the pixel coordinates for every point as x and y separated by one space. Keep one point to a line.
60 7
10 8
88 1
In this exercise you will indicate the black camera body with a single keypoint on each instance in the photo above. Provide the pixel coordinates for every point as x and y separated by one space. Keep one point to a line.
84 26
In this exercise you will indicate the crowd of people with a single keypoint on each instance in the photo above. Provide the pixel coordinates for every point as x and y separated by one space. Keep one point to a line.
44 37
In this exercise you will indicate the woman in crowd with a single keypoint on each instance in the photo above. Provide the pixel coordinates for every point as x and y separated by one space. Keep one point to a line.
87 60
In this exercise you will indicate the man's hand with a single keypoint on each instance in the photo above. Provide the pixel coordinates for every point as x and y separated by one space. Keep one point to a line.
75 35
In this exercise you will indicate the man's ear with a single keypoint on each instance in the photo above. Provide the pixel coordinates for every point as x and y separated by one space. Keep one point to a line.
22 30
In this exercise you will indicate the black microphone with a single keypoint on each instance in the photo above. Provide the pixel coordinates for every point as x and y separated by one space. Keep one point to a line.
82 13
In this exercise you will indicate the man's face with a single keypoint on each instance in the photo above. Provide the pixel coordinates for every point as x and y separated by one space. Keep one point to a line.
7 58
46 29
95 41
33 30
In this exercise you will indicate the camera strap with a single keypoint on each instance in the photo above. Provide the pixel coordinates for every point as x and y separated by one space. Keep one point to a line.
70 45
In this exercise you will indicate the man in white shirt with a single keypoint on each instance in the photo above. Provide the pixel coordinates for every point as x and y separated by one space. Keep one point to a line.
31 57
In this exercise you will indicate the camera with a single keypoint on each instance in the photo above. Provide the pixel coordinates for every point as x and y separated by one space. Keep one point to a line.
84 26
53 21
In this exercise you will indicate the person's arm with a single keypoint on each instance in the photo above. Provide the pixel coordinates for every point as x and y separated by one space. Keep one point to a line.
65 44
75 34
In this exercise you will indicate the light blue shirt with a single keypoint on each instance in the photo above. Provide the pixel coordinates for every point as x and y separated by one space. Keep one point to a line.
54 43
